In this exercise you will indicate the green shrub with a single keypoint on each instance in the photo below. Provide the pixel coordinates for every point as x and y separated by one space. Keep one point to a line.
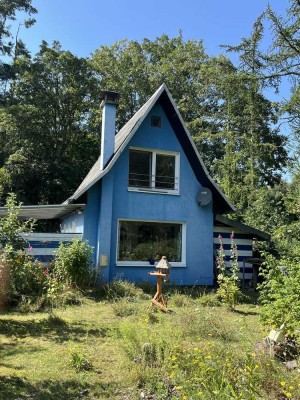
209 300
28 277
179 299
72 264
280 294
120 288
24 276
123 308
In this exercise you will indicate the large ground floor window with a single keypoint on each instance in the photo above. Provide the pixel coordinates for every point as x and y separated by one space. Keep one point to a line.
143 240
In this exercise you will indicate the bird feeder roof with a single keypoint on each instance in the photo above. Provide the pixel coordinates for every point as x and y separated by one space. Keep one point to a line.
163 264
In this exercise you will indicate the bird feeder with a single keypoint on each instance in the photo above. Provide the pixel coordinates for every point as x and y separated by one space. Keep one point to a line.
161 273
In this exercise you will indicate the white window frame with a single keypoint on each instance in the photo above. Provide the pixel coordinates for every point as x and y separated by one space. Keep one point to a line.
181 263
153 189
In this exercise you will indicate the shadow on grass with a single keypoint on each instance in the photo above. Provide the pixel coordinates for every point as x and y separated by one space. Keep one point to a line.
57 330
12 388
241 312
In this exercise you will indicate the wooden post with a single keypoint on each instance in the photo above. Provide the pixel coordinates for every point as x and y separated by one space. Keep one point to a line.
163 272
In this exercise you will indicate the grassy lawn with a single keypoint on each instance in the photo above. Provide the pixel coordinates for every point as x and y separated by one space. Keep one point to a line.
122 349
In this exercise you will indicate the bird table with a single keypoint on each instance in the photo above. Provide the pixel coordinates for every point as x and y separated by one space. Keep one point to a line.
161 274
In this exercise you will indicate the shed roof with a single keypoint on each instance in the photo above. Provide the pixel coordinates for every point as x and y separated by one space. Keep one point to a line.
221 220
51 211
122 138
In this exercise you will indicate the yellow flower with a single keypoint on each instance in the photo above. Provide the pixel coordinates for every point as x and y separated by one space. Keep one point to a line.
184 397
282 383
288 395
208 357
178 387
199 393
256 366
291 387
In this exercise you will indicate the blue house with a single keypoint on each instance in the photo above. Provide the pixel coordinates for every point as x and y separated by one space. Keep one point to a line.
149 194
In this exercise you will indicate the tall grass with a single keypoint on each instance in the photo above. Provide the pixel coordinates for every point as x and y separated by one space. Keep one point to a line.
120 347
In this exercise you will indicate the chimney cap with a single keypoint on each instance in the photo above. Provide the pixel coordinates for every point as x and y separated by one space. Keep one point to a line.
109 96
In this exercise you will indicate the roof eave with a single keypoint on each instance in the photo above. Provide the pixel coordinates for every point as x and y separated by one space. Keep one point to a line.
243 227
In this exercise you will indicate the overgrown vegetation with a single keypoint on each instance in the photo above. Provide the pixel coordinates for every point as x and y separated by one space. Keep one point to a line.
228 281
26 281
197 352
280 294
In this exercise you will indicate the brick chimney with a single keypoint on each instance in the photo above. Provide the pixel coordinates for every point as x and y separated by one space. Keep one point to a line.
109 107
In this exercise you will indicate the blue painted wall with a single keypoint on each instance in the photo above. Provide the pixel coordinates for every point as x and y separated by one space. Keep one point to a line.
92 215
73 223
119 203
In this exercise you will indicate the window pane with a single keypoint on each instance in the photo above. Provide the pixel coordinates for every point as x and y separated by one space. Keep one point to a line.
139 168
140 241
165 171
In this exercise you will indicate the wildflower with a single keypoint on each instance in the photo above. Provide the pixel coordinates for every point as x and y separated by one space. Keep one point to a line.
178 387
291 387
29 248
46 272
220 237
232 235
288 395
282 383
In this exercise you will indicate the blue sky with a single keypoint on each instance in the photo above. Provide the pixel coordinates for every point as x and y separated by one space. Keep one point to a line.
83 25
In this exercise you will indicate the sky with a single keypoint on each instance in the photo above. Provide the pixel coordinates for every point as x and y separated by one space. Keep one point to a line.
81 26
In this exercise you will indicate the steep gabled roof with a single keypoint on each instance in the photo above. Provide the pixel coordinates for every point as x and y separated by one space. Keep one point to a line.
122 138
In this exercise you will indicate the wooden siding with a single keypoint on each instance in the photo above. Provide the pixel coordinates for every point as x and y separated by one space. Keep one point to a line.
43 245
244 242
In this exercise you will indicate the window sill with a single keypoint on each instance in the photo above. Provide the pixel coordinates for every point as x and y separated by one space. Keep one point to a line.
145 264
154 191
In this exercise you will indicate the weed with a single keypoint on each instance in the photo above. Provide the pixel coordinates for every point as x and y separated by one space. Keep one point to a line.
78 360
180 300
119 288
123 308
209 300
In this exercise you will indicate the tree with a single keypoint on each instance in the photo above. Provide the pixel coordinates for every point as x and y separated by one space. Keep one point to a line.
10 44
225 111
49 144
8 11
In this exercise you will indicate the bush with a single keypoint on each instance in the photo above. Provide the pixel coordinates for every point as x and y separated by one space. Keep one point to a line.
120 288
24 276
209 300
280 294
180 300
28 277
72 264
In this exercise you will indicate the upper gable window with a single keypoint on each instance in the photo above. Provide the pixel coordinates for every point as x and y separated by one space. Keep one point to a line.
154 170
155 121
